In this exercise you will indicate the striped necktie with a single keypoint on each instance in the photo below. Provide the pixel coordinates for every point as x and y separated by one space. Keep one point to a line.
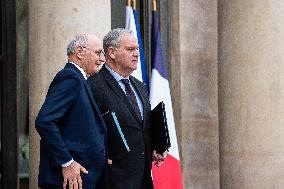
131 96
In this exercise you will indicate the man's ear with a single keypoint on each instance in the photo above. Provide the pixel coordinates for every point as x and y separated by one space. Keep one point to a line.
111 52
79 52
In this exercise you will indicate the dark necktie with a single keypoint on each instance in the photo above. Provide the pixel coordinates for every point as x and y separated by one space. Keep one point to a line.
131 96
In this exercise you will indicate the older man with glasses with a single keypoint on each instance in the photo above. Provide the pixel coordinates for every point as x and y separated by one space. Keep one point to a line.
72 131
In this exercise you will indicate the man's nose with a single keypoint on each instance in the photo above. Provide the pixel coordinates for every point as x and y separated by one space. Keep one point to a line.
136 52
102 58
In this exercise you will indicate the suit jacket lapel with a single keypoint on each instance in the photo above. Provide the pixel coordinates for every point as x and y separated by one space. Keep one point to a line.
139 92
113 84
118 91
89 92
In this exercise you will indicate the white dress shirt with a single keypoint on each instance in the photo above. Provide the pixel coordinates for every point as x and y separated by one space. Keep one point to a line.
118 78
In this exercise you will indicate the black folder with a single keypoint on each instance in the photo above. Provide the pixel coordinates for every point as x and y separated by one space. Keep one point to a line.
160 132
115 135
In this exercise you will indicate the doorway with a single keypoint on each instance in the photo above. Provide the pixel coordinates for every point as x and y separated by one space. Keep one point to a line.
9 129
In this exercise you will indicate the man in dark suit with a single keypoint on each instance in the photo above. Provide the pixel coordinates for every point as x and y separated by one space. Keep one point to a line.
116 90
72 131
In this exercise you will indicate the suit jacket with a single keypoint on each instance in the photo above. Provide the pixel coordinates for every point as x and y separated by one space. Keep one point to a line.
70 125
127 169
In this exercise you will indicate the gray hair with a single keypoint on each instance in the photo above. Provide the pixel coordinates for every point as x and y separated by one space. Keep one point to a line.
112 38
79 40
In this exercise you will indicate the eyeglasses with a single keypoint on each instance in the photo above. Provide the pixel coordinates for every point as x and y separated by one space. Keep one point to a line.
98 52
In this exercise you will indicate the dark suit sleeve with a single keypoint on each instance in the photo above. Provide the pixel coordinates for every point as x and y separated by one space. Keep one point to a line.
61 95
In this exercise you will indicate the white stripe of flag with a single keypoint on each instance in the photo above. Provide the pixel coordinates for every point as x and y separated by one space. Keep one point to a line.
130 25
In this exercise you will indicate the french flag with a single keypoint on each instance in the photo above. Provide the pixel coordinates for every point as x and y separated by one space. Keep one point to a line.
168 175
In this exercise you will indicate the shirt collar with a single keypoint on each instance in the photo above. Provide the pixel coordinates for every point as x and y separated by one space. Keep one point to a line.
116 75
80 69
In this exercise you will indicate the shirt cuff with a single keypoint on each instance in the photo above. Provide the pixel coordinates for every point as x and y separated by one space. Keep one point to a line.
68 163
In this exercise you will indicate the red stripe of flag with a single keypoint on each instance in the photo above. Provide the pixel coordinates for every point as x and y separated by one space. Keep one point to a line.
168 175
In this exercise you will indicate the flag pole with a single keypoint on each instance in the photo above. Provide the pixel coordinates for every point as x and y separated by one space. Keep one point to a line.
134 4
129 3
154 5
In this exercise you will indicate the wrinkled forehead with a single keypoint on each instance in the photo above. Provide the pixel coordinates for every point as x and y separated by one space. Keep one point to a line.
95 42
128 39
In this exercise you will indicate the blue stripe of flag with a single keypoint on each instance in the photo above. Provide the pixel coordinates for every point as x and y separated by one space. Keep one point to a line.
141 51
157 52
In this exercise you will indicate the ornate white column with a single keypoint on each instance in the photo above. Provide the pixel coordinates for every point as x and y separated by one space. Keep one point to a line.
251 93
195 90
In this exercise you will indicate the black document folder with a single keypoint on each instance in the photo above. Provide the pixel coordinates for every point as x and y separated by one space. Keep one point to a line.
160 132
116 139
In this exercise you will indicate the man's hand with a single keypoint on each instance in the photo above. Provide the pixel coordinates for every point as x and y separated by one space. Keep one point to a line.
158 159
109 161
71 174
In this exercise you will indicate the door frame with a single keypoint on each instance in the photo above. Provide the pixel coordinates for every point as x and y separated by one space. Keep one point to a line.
9 127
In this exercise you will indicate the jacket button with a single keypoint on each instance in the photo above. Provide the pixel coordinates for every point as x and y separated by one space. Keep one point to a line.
142 153
103 151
